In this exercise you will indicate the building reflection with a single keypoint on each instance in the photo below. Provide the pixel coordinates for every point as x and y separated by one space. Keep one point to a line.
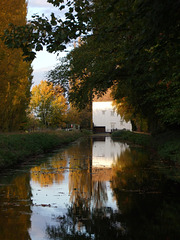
105 152
90 165
95 189
92 211
89 180
86 169
113 168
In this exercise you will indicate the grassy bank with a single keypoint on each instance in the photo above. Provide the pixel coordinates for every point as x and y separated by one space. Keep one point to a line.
15 148
166 145
133 137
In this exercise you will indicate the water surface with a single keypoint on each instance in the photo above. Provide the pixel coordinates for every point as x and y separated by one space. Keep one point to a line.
94 189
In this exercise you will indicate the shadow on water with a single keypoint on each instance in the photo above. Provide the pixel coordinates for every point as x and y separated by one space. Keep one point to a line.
95 189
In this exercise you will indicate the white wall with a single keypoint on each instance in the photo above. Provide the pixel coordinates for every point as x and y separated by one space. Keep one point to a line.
104 115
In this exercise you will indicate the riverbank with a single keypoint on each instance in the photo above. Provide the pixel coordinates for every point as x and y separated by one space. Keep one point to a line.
15 148
165 147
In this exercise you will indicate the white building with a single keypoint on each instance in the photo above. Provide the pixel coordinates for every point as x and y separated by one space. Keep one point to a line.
105 118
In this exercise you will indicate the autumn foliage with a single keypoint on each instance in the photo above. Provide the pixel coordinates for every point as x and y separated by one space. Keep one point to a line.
15 74
48 104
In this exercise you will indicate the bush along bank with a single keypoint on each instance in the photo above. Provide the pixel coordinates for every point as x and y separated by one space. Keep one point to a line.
165 145
15 148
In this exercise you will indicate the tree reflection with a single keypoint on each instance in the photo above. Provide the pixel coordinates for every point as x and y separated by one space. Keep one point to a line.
46 174
142 195
145 209
87 217
132 172
99 196
85 182
80 184
81 223
15 209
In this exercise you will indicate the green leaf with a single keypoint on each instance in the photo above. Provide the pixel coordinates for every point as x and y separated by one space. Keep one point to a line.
39 47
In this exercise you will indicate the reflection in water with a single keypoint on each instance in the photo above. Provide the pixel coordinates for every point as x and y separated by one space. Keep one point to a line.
106 151
80 174
136 187
15 200
48 174
101 223
95 189
89 193
142 196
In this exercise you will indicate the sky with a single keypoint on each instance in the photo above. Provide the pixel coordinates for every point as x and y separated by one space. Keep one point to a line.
44 61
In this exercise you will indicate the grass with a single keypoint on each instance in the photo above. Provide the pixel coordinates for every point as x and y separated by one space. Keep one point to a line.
133 137
168 148
168 145
15 148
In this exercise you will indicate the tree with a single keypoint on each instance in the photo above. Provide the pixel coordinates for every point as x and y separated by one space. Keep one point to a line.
81 117
128 113
48 104
15 74
136 53
130 45
60 75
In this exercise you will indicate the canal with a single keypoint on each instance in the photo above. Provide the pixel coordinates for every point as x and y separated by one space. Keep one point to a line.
96 188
